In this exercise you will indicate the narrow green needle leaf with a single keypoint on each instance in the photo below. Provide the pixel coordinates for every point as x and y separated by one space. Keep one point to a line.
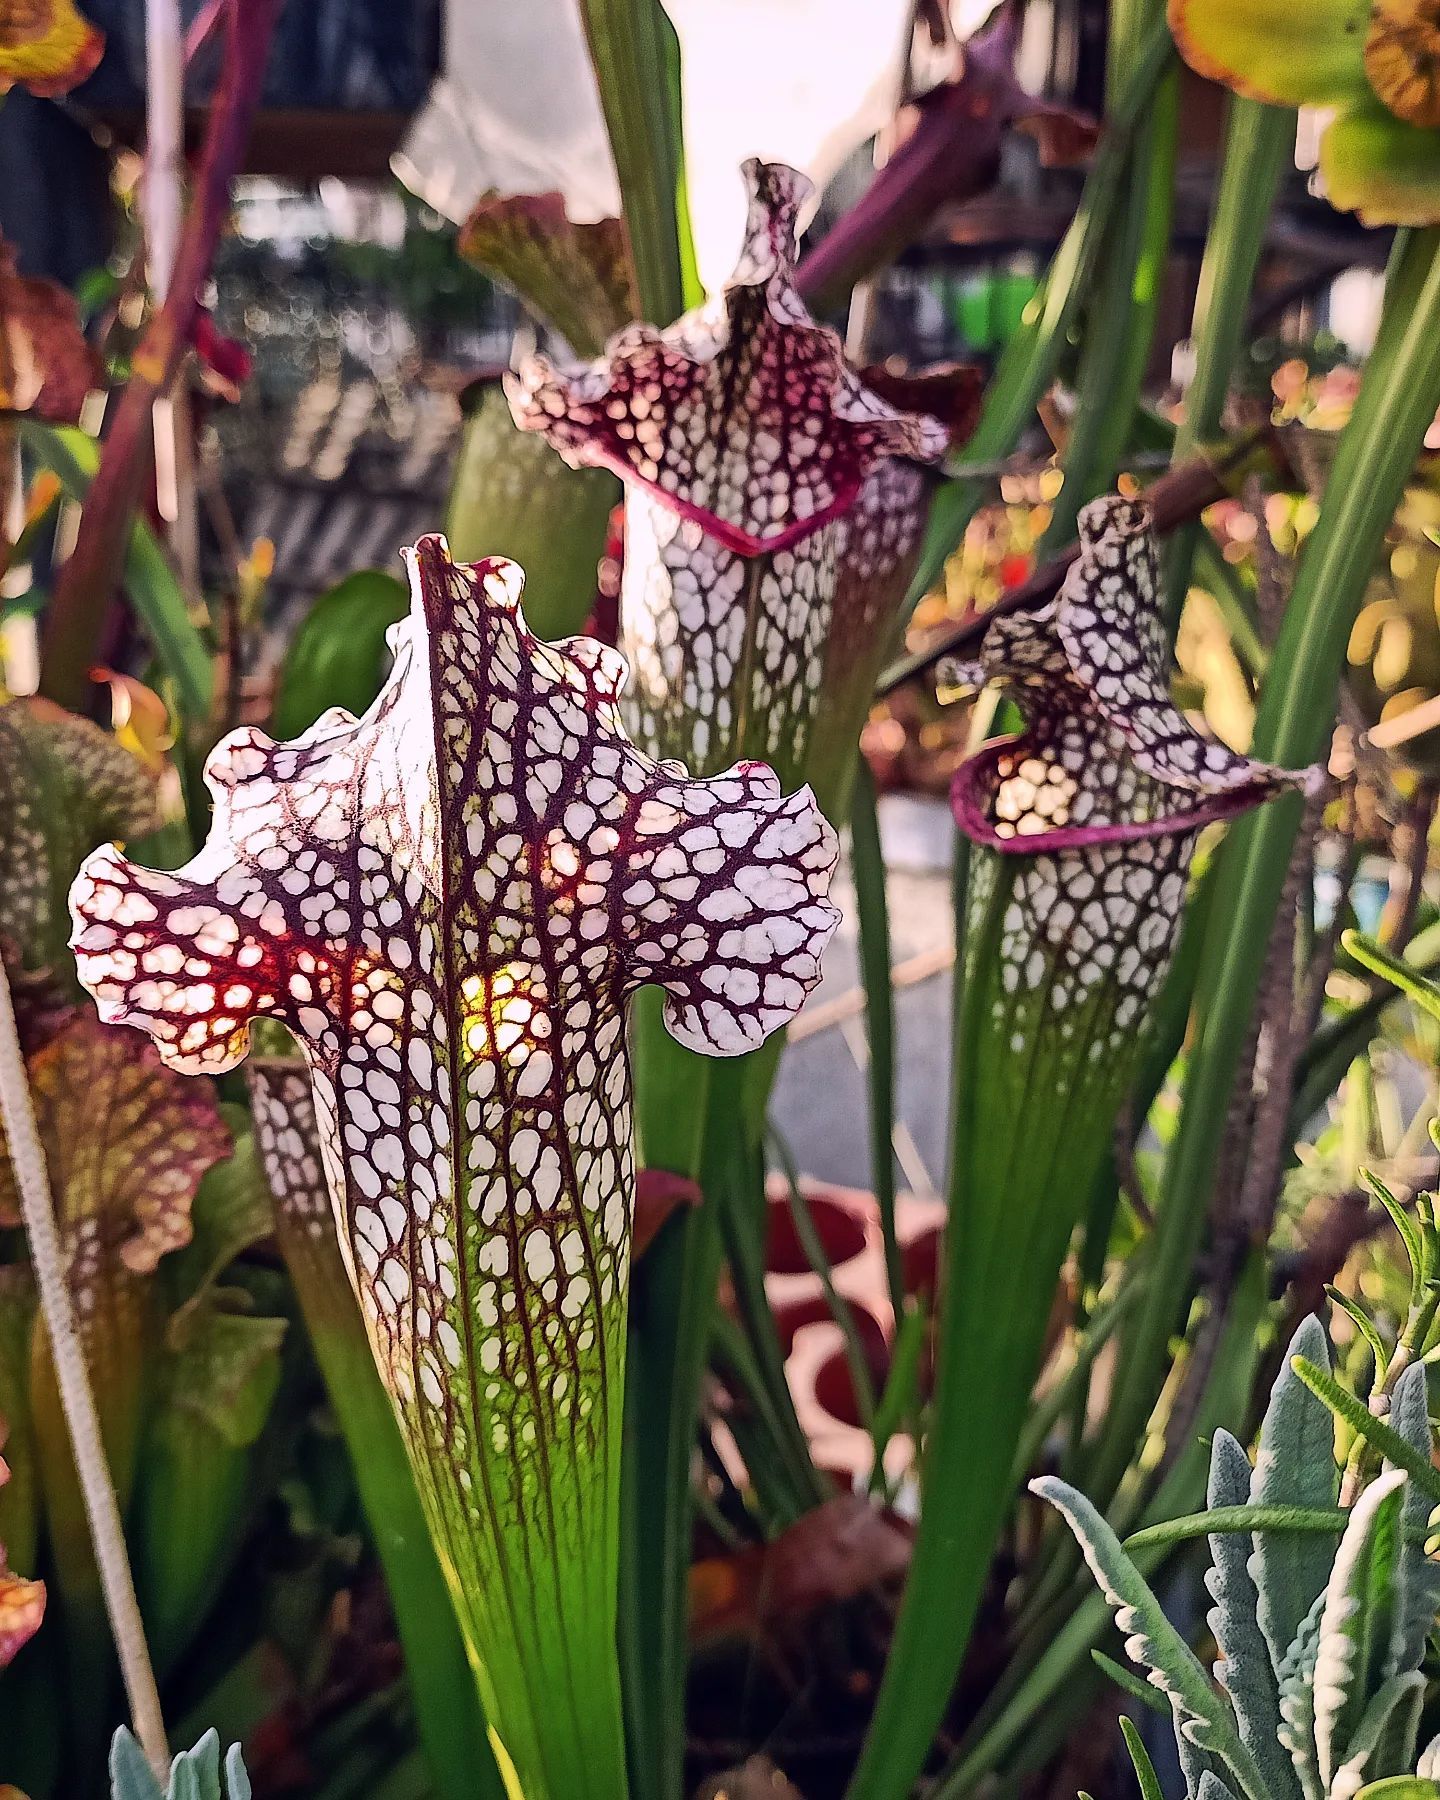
1130 1683
1375 1431
1395 969
1139 1756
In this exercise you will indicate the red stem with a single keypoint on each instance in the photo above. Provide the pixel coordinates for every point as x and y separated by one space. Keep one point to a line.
75 617
1180 494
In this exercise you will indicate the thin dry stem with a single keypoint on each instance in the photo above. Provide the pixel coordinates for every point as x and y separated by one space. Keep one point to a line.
76 1397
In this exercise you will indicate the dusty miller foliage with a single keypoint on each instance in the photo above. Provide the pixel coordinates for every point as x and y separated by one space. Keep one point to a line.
1320 1633
194 1774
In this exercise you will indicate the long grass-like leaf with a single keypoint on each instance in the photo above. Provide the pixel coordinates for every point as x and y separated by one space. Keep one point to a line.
1258 143
1121 318
1031 357
636 57
1398 400
672 1302
1140 1759
867 865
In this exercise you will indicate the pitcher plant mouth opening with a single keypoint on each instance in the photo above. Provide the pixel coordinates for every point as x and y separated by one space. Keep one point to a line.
774 502
1105 756
448 901
1092 810
743 417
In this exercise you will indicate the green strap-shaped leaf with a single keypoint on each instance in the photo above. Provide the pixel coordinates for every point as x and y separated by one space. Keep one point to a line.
1152 1641
1401 1787
154 592
1294 1466
1359 1622
636 57
1140 1757
1420 1577
1244 1668
1380 961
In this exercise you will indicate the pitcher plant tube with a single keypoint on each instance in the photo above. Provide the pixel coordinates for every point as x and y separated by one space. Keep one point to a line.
1083 828
448 902
744 440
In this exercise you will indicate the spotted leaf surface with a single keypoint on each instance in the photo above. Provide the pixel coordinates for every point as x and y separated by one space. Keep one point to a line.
125 1192
743 439
65 786
448 903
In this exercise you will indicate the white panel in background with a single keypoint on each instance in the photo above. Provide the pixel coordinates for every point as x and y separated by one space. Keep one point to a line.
802 81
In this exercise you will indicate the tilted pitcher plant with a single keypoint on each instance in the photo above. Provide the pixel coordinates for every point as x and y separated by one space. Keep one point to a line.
774 503
448 902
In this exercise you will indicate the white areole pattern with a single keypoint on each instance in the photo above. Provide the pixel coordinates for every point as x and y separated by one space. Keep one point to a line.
743 438
448 902
1099 801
